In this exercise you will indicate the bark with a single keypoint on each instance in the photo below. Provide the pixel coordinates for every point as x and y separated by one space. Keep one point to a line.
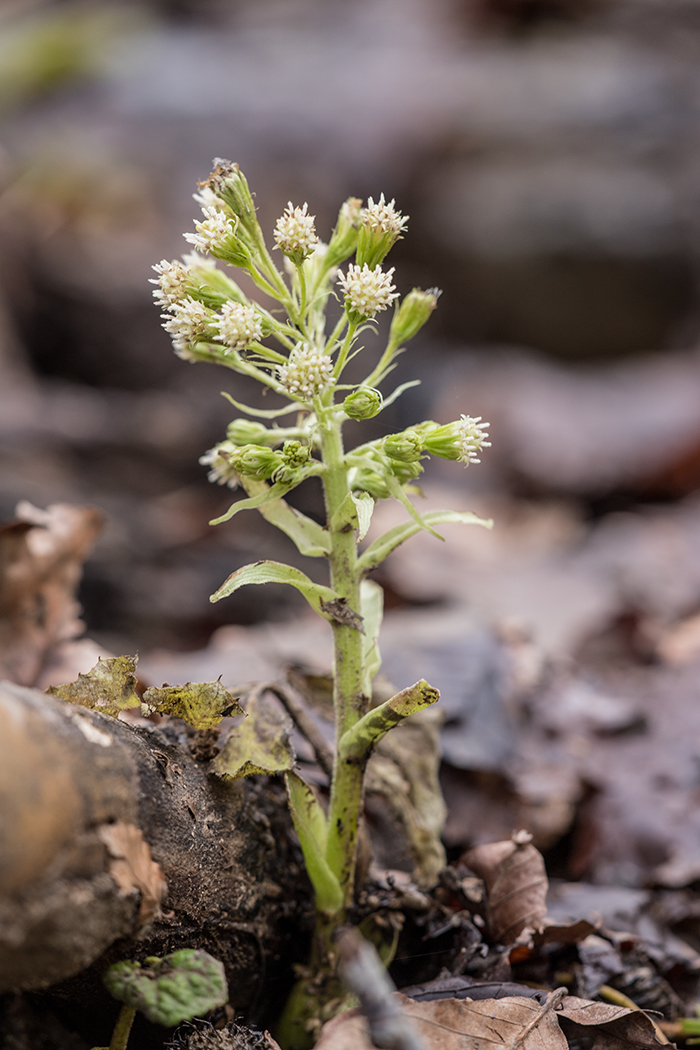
95 813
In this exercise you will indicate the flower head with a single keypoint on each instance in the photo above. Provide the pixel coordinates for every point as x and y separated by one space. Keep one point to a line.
295 233
367 291
174 283
213 231
238 325
219 459
307 373
381 225
188 322
462 440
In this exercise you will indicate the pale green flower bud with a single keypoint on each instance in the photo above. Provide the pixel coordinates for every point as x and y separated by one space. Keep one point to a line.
371 481
256 461
405 447
344 237
462 440
406 472
295 454
380 228
229 183
414 311
246 432
363 403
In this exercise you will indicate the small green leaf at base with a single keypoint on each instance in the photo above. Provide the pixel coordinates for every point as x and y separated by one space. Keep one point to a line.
202 705
311 826
260 744
110 687
189 983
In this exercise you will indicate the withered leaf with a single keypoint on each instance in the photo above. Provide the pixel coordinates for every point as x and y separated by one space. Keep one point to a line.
202 705
459 1024
41 561
516 885
260 744
110 687
614 1027
132 866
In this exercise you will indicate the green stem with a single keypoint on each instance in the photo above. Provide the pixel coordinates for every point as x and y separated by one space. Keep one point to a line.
377 374
120 1035
345 349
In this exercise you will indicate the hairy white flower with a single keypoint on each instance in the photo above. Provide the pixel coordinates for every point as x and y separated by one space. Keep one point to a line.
383 216
174 282
187 322
368 291
206 198
212 232
471 436
307 372
221 470
238 325
295 232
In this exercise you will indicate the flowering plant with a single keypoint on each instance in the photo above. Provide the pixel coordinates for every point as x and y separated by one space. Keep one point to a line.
211 319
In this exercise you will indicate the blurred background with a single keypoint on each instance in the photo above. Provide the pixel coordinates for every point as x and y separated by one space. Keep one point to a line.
548 155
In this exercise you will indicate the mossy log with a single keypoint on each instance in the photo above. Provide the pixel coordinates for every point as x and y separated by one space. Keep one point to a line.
97 816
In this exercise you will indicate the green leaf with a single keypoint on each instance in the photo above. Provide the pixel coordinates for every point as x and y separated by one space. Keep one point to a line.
310 538
110 687
312 828
189 983
357 742
264 413
259 745
378 551
398 493
372 601
399 391
202 705
355 512
271 492
322 599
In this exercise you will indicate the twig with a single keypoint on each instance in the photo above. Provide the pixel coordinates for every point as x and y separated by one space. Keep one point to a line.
296 708
551 1002
364 974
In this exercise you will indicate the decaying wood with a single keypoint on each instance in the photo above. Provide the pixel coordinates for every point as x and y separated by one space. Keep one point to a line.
116 833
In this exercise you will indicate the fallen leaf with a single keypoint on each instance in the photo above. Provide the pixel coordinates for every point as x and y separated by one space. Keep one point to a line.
41 558
110 687
617 1026
202 705
132 866
516 885
459 1024
260 744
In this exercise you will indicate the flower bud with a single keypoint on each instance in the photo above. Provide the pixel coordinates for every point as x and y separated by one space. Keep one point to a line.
246 432
406 472
405 447
217 234
461 440
295 454
366 291
414 311
371 481
256 461
380 228
307 373
229 184
344 237
363 403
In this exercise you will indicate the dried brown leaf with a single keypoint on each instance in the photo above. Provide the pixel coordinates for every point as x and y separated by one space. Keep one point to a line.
516 885
459 1024
616 1027
133 868
41 558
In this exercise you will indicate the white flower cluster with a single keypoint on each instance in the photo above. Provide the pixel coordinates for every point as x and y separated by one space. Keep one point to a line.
187 322
212 231
172 283
221 470
295 232
471 436
238 325
383 216
368 291
307 373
